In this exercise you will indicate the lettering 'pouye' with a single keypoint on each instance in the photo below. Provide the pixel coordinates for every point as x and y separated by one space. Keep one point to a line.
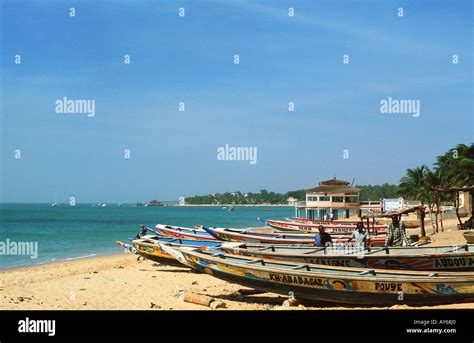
37 326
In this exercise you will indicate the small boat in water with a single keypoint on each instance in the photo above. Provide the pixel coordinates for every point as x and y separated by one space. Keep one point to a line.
55 203
361 286
447 258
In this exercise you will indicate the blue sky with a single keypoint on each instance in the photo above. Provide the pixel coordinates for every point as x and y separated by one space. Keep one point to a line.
190 59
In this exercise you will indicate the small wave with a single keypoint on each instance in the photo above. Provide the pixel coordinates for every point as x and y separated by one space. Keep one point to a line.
80 257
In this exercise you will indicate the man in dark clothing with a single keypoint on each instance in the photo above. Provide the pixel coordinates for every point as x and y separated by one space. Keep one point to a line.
396 234
322 238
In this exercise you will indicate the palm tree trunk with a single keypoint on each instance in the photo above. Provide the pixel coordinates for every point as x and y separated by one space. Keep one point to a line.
431 208
457 209
437 211
422 222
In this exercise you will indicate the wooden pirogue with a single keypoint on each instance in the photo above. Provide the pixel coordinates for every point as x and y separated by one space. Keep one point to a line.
188 233
279 238
332 227
355 286
447 258
149 248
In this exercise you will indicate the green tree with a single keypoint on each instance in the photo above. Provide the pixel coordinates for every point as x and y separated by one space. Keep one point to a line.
414 186
456 167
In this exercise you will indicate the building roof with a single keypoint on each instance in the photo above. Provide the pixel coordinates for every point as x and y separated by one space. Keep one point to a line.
334 182
333 186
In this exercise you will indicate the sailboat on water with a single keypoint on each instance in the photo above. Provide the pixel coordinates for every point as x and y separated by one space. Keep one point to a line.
55 203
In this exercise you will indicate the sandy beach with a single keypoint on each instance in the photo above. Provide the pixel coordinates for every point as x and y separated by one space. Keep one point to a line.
123 282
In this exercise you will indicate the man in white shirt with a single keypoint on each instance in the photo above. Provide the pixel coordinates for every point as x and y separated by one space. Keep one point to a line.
359 236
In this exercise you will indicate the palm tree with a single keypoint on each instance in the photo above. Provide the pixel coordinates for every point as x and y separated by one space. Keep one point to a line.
432 180
456 167
412 184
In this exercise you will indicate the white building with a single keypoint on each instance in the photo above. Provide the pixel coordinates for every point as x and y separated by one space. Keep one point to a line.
292 201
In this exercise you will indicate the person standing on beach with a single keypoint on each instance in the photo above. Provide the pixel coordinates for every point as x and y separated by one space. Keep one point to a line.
322 238
359 235
396 234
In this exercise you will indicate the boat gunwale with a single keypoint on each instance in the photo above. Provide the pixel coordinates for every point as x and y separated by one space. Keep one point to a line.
175 233
242 237
155 244
360 255
326 226
444 277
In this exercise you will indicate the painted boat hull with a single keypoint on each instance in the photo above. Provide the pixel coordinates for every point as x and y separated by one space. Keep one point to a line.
334 296
185 233
416 259
338 286
331 227
148 248
154 253
322 221
274 238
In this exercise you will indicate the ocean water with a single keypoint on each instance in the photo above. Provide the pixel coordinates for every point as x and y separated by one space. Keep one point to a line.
82 231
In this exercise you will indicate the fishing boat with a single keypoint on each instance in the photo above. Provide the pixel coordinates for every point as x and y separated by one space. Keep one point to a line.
185 233
322 221
189 233
278 238
331 227
447 258
361 286
150 249
127 247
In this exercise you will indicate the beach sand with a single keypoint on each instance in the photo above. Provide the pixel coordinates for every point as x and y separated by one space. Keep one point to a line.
123 282
115 282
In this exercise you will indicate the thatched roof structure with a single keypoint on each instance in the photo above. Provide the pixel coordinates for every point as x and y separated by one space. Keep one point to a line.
333 186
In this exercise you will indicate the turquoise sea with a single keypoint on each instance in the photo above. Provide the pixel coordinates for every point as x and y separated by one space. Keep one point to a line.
82 231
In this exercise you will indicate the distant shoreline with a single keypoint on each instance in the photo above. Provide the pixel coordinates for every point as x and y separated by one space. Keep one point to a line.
134 204
234 205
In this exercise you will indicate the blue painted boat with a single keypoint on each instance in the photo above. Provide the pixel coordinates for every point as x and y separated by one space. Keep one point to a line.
150 247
